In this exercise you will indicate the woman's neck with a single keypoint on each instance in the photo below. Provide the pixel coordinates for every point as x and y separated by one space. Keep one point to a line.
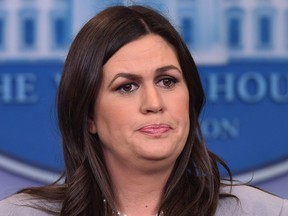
136 192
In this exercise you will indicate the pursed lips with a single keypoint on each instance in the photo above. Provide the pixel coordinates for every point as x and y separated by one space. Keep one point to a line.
155 129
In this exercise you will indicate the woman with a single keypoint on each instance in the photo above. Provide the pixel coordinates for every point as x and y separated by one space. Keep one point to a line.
128 107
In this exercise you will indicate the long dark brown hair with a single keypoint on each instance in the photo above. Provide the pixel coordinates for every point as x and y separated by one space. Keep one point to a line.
193 187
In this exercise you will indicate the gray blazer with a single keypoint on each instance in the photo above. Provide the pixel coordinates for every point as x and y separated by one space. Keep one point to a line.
252 202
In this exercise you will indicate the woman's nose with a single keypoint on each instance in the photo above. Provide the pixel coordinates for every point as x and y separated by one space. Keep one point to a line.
151 100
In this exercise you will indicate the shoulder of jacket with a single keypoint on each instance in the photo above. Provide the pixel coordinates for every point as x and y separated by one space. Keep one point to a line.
251 201
25 205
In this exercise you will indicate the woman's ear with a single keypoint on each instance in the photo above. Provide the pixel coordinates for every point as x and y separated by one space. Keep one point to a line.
92 126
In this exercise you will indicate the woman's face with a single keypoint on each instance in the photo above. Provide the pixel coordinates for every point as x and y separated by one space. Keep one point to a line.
141 114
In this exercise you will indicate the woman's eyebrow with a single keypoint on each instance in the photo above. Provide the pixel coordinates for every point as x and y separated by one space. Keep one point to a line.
167 68
125 75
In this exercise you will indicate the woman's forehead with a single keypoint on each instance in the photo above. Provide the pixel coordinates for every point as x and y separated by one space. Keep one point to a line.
147 50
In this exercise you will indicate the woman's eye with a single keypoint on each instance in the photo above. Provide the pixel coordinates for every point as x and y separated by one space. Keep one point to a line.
167 82
127 88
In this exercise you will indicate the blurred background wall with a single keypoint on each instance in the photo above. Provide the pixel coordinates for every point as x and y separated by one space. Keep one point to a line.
240 47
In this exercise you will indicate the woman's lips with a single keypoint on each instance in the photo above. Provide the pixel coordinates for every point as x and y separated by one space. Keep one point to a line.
155 129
